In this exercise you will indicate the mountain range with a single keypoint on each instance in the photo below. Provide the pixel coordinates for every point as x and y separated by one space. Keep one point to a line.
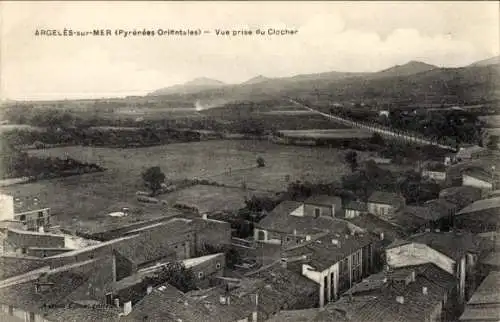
411 80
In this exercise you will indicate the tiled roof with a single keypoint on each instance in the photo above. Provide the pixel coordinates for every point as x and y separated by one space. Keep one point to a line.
480 205
452 244
324 253
435 209
166 303
307 315
284 223
407 219
461 196
282 210
481 175
383 197
324 200
382 305
356 205
468 152
487 292
83 314
492 259
376 225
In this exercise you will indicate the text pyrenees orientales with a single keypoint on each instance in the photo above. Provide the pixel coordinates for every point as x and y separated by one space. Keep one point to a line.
125 33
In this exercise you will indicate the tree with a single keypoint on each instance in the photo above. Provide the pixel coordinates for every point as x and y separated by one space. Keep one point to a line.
177 275
351 158
154 178
260 162
493 142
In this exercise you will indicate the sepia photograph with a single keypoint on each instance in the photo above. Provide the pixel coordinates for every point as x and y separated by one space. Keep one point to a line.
249 161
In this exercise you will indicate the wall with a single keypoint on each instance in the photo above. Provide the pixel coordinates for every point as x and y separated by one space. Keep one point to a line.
19 239
6 207
416 254
331 287
473 182
350 213
380 210
327 211
34 218
16 265
209 270
46 252
299 212
436 175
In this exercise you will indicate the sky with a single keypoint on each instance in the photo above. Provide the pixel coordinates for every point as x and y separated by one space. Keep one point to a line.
331 36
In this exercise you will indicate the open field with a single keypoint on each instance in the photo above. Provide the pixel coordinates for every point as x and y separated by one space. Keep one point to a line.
210 198
327 134
85 200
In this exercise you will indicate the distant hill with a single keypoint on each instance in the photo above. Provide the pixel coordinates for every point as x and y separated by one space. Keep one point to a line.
195 85
490 61
412 83
410 68
257 79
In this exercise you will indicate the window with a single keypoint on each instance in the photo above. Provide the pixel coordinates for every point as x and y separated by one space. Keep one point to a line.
11 310
22 217
40 214
200 275
217 265
317 212
31 317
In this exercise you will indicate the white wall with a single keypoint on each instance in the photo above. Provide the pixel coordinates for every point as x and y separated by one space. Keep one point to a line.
378 209
436 175
299 212
349 213
416 254
6 207
319 277
473 182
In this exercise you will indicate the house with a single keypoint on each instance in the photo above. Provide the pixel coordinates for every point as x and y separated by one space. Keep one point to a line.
454 252
479 178
323 205
419 293
382 203
407 220
438 213
335 262
206 268
166 303
480 216
439 176
377 226
485 301
28 210
286 224
470 153
42 294
355 208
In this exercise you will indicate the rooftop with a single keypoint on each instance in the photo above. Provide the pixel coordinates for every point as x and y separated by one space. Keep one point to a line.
376 225
487 292
280 220
452 244
383 197
481 175
190 262
323 200
461 195
323 252
480 205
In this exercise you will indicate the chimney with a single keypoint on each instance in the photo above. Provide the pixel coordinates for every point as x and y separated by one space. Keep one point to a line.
381 236
295 232
308 237
127 308
336 242
254 313
125 210
204 217
424 290
149 289
117 302
283 263
400 299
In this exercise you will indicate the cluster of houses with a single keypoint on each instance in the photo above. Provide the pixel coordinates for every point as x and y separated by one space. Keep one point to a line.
322 259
